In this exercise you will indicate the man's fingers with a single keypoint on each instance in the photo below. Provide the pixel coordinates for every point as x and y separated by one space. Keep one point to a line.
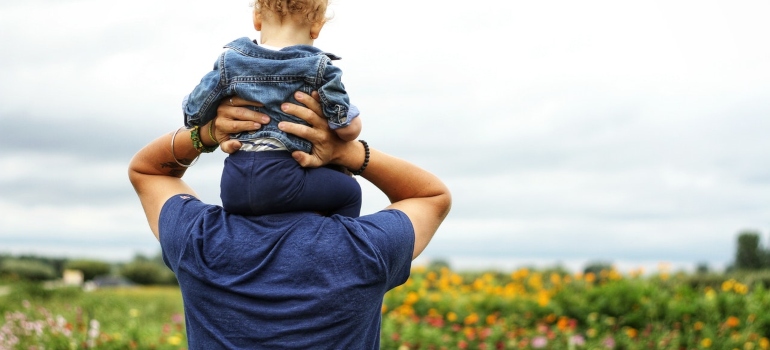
298 130
312 102
306 160
310 113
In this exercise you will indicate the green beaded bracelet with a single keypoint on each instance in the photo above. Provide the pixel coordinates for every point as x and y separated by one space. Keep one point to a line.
198 144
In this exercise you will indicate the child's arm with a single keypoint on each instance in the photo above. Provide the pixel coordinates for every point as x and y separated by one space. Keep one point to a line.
350 132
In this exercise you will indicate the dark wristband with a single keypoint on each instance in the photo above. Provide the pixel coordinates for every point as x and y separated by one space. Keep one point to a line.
366 158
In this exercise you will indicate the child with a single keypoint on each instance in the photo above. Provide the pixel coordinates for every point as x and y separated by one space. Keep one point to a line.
262 177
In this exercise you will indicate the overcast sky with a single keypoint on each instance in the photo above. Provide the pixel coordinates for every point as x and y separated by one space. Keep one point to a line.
633 132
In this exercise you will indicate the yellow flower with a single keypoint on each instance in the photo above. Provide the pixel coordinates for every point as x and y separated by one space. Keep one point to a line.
591 333
697 326
728 285
710 294
764 343
706 343
542 298
411 298
133 313
451 316
174 340
748 346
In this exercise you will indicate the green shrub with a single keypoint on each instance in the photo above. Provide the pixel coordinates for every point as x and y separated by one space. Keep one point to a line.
148 273
90 268
28 270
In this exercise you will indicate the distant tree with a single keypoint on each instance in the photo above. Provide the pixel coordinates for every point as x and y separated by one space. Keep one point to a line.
596 267
90 268
148 273
702 268
56 263
749 255
438 264
30 270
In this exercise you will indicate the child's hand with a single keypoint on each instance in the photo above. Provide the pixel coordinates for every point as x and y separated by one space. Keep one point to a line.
350 132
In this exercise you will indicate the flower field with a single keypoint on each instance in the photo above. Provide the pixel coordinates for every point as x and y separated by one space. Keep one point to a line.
441 309
35 318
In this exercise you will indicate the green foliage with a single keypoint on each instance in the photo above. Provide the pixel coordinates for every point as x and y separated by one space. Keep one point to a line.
90 268
30 270
596 267
146 272
749 256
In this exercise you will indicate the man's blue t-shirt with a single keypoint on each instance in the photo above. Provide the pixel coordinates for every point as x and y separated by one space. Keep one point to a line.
283 281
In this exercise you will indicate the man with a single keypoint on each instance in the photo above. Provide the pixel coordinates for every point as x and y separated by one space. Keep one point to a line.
294 280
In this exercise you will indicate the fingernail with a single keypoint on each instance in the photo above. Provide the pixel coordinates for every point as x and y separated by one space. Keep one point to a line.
280 125
284 107
265 119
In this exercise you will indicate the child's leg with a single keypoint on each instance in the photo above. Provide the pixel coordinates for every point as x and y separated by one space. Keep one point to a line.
331 192
235 185
256 183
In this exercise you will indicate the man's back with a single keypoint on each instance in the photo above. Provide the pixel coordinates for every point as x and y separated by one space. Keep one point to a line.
294 280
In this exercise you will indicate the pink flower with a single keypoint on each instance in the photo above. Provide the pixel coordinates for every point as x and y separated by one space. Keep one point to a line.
577 339
539 342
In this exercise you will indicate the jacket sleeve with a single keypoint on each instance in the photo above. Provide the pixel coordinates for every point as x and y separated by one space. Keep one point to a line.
334 98
200 106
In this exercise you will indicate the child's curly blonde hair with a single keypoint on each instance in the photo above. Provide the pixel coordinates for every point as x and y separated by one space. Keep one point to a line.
314 11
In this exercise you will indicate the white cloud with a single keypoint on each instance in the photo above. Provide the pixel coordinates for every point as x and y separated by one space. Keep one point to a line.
637 129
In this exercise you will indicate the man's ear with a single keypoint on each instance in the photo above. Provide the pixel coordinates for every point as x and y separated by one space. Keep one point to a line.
257 20
315 29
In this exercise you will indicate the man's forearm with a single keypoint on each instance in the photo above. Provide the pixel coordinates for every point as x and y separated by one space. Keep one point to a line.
158 157
399 179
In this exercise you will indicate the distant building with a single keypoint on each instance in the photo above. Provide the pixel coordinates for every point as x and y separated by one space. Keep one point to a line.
73 278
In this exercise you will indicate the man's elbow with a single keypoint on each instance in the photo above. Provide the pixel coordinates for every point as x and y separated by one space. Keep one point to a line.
444 203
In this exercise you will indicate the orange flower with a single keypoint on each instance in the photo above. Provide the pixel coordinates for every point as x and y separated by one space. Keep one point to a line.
471 319
732 322
491 319
631 332
697 326
562 324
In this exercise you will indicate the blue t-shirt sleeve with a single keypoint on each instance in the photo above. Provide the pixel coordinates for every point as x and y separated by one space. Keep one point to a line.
391 232
177 216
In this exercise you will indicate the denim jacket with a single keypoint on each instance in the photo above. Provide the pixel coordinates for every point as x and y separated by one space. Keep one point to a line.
271 78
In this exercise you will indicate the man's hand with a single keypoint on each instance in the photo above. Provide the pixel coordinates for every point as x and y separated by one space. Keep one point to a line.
327 146
232 117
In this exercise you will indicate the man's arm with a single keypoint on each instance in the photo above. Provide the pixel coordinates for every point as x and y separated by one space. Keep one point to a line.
420 195
154 171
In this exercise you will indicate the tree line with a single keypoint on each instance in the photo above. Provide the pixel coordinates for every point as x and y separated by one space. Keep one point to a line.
141 270
750 255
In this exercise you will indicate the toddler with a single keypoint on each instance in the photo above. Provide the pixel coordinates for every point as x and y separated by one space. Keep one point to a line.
262 177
